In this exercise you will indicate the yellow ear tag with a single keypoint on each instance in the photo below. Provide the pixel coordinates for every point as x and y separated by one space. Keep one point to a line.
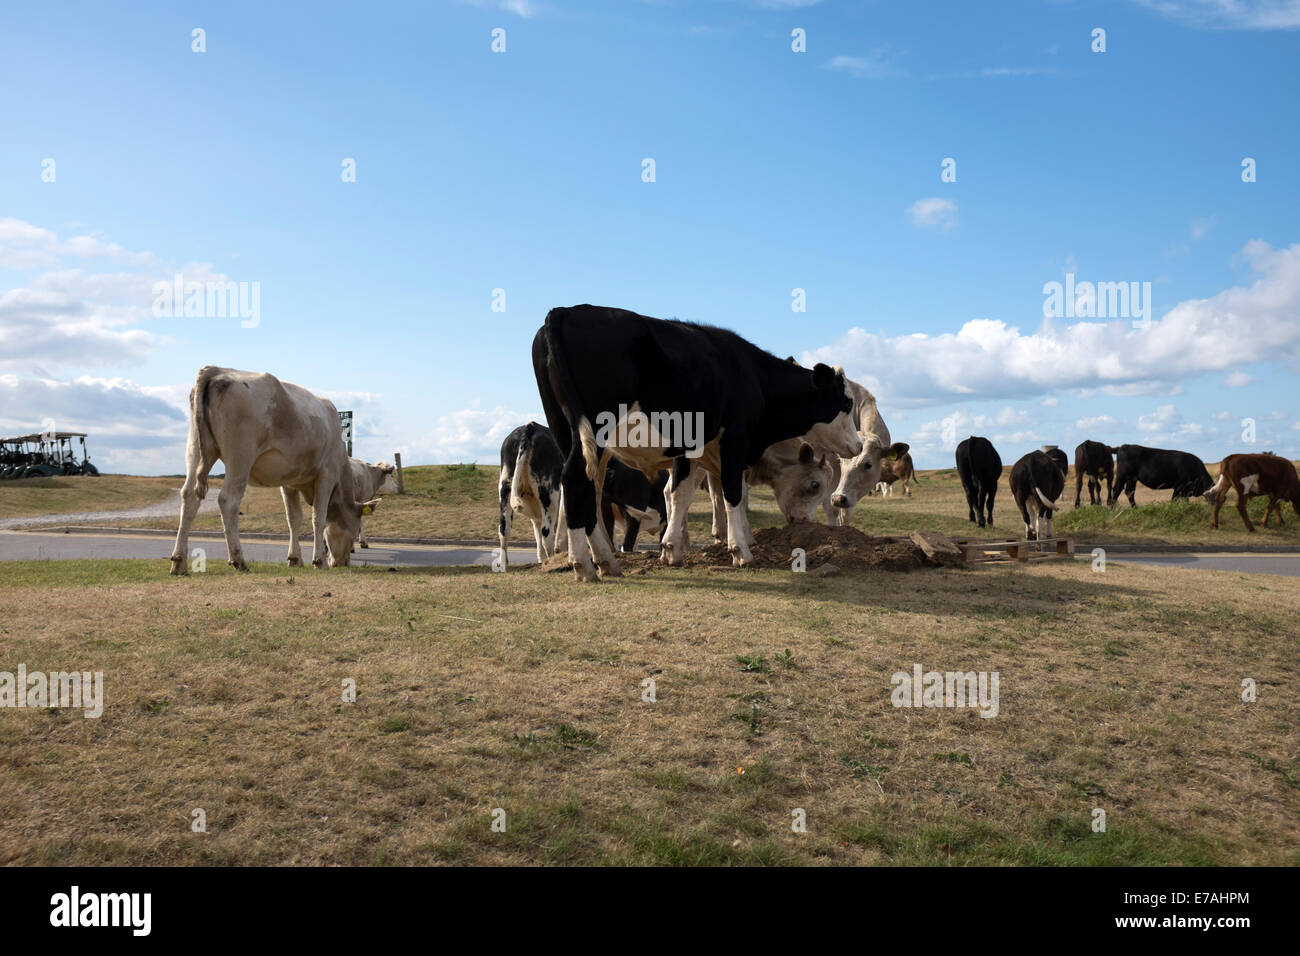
367 509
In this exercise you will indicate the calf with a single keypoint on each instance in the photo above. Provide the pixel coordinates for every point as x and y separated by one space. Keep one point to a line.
706 394
1036 482
1093 460
892 471
1251 476
530 483
980 468
630 496
1158 468
368 481
271 434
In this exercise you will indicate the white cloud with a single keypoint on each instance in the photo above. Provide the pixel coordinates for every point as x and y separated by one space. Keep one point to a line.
1090 424
1051 401
1161 418
1231 14
1238 379
1200 228
879 62
472 434
933 213
987 358
521 8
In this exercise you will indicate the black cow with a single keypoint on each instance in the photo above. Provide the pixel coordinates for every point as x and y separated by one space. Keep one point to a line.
602 372
636 499
530 482
1158 469
980 469
1095 461
1036 482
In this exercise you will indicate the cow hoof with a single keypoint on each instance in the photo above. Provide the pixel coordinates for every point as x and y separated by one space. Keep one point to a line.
317 563
585 572
178 566
610 570
295 562
365 544
239 565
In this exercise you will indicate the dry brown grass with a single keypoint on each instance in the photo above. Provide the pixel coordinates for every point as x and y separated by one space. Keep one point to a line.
72 493
522 691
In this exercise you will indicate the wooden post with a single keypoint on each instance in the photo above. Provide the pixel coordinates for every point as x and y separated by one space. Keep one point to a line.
397 458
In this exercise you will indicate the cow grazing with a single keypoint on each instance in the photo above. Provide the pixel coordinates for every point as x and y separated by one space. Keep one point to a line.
1036 483
631 497
1158 468
368 481
530 483
651 391
1252 476
271 434
857 476
800 477
1093 460
980 468
892 471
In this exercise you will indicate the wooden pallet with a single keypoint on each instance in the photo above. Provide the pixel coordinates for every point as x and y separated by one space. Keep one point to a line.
977 550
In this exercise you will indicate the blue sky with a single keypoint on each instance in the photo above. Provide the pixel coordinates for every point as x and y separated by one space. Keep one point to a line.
775 170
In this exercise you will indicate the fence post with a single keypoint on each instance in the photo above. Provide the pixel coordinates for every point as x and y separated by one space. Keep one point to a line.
397 458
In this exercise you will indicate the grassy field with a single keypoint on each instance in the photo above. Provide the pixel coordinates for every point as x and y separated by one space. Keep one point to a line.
476 691
460 501
65 495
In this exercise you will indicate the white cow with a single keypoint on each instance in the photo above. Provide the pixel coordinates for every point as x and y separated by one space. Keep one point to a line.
368 481
857 476
271 434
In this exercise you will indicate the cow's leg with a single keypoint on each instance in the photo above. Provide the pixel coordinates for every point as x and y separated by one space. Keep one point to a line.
739 537
1078 487
229 499
293 515
537 539
993 493
561 524
580 507
974 499
633 528
361 533
1029 524
680 490
320 504
1220 496
719 528
505 522
193 491
1241 507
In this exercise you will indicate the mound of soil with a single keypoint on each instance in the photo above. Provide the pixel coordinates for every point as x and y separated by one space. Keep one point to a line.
828 551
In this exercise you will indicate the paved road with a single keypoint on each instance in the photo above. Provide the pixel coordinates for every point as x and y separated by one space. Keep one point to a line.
38 546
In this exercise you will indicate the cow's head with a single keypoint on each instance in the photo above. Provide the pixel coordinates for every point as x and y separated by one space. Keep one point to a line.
343 524
385 484
838 434
651 520
859 476
803 486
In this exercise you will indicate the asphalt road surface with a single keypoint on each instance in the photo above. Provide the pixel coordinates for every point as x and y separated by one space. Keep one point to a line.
42 546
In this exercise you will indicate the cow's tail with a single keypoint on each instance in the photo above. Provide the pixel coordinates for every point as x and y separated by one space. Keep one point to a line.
521 485
1218 484
1048 503
200 438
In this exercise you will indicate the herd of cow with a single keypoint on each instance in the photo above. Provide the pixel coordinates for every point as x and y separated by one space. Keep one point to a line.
813 435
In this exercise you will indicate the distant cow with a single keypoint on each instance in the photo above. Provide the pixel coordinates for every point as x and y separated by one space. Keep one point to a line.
601 368
1158 468
631 497
1252 476
980 468
271 434
892 471
1036 483
859 475
1093 460
530 483
368 481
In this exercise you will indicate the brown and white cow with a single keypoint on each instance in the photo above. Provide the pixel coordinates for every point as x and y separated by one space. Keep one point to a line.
1252 476
368 481
892 471
271 434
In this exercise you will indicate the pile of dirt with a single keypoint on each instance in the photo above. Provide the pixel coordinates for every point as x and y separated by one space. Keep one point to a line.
828 550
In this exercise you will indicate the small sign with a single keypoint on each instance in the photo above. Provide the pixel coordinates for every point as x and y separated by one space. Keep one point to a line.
345 421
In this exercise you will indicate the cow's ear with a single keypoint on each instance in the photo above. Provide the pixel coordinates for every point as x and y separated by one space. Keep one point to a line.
821 463
897 450
823 375
368 507
805 453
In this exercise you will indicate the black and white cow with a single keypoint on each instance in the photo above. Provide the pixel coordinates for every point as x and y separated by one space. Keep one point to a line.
530 483
980 468
1036 483
603 372
631 497
1093 460
1158 469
